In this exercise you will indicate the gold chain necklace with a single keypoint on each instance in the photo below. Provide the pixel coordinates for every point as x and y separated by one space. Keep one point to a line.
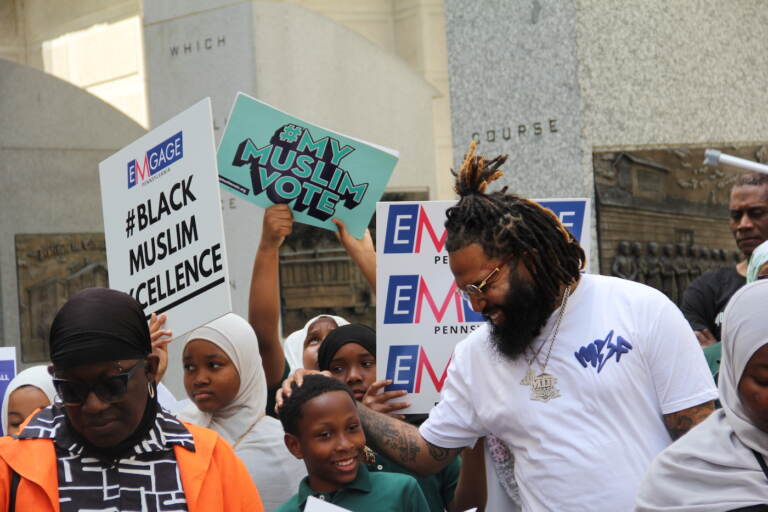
544 385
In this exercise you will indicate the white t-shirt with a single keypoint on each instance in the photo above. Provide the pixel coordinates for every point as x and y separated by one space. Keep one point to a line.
589 448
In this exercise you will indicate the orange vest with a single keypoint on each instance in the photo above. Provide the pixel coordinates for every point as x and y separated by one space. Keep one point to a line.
213 477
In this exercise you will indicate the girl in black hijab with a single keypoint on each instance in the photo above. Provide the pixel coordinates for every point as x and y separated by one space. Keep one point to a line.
349 353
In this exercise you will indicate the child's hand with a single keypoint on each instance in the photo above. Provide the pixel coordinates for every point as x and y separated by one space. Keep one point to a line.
160 339
278 223
362 252
380 401
298 378
353 246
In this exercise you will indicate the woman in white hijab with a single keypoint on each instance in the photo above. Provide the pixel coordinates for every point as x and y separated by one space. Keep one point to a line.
224 379
38 388
720 464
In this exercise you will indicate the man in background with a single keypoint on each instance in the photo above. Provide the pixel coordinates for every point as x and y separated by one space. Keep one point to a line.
705 299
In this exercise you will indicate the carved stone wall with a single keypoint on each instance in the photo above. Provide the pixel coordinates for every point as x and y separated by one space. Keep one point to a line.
666 196
52 268
616 224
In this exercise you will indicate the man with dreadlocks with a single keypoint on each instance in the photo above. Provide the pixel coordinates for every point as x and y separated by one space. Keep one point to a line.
584 377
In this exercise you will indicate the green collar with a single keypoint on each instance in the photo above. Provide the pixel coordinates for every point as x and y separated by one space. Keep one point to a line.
361 483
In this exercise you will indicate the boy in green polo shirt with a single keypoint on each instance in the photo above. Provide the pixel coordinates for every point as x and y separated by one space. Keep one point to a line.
322 428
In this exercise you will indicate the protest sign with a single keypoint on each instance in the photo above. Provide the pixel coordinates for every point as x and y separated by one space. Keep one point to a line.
269 157
318 505
419 315
162 222
574 213
7 372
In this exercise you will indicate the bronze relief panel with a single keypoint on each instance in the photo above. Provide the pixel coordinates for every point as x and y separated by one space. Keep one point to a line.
50 269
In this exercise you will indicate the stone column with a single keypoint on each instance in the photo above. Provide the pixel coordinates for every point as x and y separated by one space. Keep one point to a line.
514 89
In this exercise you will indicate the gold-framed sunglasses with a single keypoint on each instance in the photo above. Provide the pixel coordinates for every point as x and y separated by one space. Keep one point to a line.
478 288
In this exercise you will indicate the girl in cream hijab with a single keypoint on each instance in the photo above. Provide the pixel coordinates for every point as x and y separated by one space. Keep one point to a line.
224 379
720 465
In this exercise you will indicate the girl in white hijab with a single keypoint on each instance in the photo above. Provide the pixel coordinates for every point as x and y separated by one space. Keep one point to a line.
297 342
38 378
223 376
720 464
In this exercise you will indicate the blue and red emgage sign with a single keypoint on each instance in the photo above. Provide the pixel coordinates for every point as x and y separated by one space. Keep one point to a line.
420 317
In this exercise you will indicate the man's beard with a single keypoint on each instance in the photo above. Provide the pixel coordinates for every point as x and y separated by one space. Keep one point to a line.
525 311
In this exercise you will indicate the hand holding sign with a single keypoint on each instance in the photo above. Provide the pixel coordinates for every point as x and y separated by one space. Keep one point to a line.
354 246
277 224
361 250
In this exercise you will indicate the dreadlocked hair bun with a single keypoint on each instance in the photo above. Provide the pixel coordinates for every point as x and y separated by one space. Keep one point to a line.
475 173
508 226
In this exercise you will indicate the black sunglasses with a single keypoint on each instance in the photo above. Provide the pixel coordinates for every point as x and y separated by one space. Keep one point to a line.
109 389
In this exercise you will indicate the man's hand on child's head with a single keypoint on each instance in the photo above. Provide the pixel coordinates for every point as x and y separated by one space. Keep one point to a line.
278 223
380 401
298 378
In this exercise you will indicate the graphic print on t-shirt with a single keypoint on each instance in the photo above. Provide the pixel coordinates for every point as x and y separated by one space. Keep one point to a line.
592 354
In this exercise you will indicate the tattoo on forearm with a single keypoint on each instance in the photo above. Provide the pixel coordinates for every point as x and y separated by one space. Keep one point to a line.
395 438
441 454
402 442
680 422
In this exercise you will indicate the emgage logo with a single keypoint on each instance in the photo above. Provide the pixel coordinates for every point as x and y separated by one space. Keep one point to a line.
156 159
406 225
405 368
406 295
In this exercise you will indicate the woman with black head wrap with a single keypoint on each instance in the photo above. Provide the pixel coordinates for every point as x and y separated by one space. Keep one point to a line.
107 444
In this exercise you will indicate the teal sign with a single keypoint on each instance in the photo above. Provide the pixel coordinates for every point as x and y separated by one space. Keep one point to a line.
269 157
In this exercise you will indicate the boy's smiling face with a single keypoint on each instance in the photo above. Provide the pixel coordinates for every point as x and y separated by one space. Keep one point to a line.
331 440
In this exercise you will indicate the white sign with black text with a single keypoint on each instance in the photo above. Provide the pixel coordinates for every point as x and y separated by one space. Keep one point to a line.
163 225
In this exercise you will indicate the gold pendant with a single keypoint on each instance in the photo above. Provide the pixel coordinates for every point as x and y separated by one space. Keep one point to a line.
543 388
528 377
